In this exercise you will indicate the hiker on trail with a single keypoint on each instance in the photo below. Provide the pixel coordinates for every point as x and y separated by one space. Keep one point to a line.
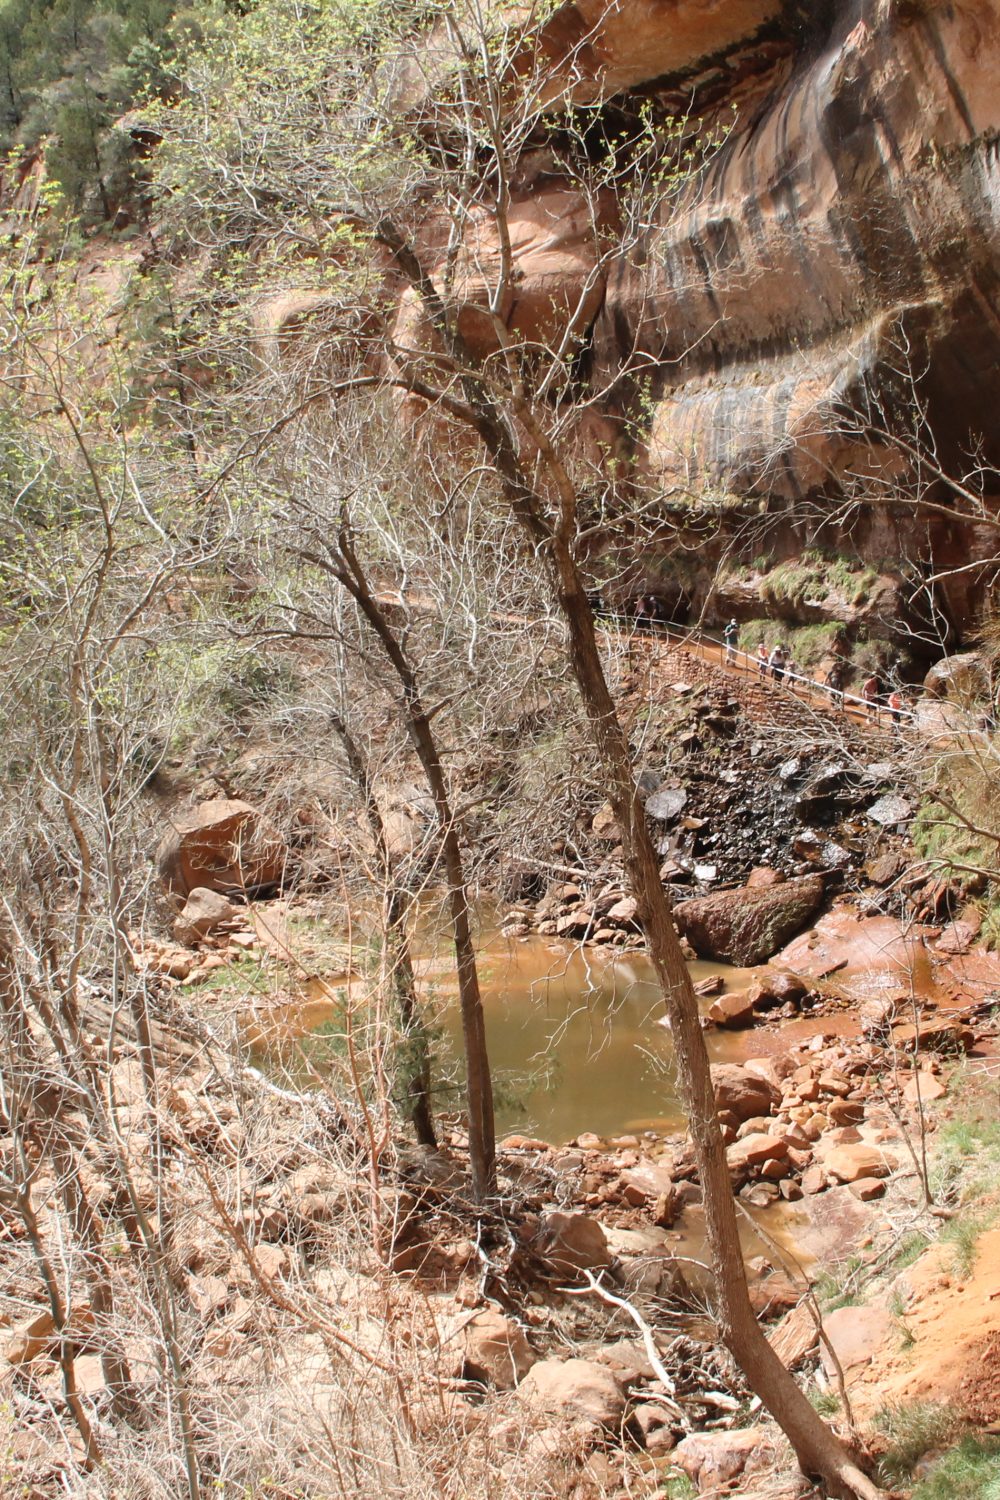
762 661
897 707
777 662
834 680
729 635
871 689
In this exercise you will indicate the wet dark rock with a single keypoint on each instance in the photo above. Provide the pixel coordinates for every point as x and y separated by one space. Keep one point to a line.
885 868
647 782
890 810
824 852
772 988
824 793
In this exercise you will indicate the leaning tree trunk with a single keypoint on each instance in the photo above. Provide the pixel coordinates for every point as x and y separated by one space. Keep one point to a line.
339 559
416 1061
819 1452
478 1083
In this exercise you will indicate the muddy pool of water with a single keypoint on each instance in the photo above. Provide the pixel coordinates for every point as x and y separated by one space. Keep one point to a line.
575 1041
575 1036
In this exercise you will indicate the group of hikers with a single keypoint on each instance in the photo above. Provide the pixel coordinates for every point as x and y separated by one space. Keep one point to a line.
878 695
778 664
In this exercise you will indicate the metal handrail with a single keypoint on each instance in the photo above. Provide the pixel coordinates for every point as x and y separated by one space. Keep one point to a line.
689 641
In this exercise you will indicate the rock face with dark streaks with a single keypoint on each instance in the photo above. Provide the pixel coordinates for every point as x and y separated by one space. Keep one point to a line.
834 270
841 253
848 228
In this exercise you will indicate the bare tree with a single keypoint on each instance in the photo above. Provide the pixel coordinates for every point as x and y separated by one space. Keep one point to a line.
438 228
335 554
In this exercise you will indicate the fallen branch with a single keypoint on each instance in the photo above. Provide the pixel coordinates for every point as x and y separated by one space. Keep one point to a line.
652 1353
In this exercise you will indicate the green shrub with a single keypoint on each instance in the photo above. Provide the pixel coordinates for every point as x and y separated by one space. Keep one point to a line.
941 836
961 832
989 933
967 1159
678 1486
872 656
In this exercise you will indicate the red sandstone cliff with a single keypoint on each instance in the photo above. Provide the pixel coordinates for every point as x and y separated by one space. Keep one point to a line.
847 233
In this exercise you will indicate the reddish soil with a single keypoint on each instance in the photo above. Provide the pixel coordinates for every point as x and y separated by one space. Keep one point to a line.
954 1322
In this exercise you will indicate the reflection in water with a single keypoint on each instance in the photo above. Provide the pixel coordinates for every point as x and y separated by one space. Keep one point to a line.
575 1043
575 1039
575 1035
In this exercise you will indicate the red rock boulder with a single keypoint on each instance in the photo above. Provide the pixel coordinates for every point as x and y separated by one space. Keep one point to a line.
712 1459
573 1242
733 1010
743 1093
223 845
574 1388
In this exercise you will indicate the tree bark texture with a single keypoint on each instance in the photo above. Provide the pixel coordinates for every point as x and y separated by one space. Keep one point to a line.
819 1451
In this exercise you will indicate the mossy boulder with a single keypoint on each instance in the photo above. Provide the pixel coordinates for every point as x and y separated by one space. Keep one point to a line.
748 926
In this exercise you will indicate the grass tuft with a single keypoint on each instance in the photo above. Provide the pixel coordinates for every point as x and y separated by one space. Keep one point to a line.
826 1403
840 1285
967 1159
911 1247
963 1236
969 1472
678 1486
912 1430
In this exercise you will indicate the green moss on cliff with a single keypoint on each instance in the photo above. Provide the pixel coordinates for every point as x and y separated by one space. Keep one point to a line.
809 644
816 578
